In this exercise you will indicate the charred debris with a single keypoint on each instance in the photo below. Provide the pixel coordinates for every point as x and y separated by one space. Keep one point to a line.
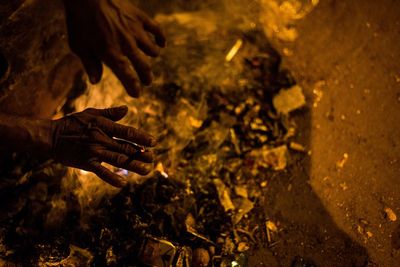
204 204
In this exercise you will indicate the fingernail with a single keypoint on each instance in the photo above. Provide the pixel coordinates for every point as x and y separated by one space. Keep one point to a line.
144 169
134 91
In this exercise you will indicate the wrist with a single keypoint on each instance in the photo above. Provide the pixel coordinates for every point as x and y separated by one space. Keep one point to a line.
22 134
40 135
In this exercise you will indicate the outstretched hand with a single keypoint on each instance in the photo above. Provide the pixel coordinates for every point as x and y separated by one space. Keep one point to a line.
86 139
117 33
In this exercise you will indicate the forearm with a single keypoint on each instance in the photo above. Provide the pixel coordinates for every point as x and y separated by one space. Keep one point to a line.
21 134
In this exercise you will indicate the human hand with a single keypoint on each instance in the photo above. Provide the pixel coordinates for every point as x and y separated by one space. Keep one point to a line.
117 33
86 139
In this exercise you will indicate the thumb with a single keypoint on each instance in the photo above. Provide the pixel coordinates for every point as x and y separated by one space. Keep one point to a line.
116 113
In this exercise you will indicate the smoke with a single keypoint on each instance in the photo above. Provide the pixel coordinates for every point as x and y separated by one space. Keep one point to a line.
174 108
279 17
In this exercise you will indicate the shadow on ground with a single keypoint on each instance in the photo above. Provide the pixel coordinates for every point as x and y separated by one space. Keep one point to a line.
308 235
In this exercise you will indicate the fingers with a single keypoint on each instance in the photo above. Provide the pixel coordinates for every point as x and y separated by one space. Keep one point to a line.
138 60
127 148
122 161
103 127
152 27
114 114
147 45
133 151
128 133
92 65
121 67
106 175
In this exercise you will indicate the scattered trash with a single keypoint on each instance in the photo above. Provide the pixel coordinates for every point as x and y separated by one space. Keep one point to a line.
232 53
77 257
343 186
390 215
193 232
228 247
157 252
363 229
297 147
184 257
241 191
271 226
111 258
275 158
289 100
318 93
190 221
243 246
201 257
244 206
340 164
224 195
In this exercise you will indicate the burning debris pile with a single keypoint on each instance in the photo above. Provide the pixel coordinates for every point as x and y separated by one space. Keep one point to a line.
221 114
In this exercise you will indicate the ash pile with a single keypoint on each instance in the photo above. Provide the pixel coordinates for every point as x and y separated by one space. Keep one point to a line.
220 108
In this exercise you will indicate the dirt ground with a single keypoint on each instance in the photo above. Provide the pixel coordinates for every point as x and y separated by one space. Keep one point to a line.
336 216
331 207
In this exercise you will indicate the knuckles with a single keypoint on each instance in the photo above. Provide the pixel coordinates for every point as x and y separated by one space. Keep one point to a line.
121 159
88 110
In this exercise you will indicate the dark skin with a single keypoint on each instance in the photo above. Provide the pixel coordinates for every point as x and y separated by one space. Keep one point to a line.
118 34
86 139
